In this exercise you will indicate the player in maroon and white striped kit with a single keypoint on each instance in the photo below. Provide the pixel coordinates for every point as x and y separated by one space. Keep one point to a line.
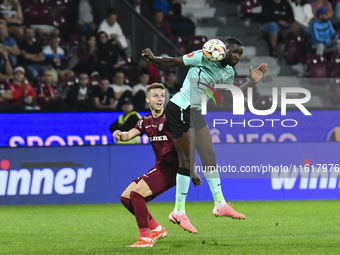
161 177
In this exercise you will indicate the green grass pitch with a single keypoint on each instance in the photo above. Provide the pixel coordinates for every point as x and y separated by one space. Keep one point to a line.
285 227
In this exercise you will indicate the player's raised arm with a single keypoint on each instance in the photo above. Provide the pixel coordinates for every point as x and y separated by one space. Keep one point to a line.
163 61
255 77
125 136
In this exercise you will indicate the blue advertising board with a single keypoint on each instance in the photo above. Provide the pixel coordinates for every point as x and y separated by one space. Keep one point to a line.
99 174
69 129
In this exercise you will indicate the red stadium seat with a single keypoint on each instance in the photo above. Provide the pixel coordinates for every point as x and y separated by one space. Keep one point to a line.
126 61
55 3
296 49
182 43
75 40
131 75
335 64
317 66
68 81
94 80
196 42
335 90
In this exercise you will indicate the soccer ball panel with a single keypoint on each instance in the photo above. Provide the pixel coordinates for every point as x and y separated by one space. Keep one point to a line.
214 50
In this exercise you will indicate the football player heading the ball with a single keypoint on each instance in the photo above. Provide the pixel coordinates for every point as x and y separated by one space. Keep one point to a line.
189 127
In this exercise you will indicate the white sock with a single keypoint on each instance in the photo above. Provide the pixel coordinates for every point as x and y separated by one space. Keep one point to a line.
159 228
220 204
179 212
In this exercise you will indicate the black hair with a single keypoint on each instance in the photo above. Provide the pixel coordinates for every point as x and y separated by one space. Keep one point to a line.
111 11
231 40
156 11
143 71
119 70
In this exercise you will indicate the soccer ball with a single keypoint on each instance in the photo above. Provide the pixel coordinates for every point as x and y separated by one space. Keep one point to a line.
214 50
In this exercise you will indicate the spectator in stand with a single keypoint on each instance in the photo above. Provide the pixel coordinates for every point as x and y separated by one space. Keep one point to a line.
23 93
111 27
12 14
87 56
49 95
162 5
80 96
154 74
103 96
37 16
10 45
32 58
317 4
108 54
55 57
171 84
180 25
277 17
81 15
141 7
139 90
6 70
121 90
127 121
323 36
163 26
5 96
303 15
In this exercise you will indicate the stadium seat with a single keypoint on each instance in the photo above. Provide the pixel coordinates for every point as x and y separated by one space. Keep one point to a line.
335 64
126 61
75 40
263 102
196 42
54 3
182 43
248 5
68 81
94 80
58 21
317 66
335 90
296 50
131 75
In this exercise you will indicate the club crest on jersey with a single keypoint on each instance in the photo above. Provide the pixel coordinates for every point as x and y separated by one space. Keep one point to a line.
160 127
190 55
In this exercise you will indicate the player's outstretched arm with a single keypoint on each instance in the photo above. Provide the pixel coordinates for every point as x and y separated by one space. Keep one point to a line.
165 62
125 136
255 77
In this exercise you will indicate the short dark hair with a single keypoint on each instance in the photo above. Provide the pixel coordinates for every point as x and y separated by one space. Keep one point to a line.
111 11
144 71
232 40
119 70
157 11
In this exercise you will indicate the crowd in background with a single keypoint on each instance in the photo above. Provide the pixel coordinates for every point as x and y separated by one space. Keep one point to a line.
59 56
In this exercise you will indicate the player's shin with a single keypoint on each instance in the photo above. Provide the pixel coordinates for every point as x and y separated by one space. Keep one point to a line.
213 178
182 188
141 214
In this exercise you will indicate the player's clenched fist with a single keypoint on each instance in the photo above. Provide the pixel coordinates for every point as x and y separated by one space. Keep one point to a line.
147 54
117 135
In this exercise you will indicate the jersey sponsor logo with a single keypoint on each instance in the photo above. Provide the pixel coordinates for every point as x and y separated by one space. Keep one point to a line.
160 127
158 138
225 75
190 55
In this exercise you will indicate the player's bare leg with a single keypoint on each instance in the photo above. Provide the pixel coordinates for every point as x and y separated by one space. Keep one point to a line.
206 152
133 198
184 146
